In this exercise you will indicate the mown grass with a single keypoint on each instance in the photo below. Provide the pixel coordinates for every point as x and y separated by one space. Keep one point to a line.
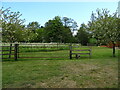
99 71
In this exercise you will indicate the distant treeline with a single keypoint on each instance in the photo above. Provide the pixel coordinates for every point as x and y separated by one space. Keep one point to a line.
102 29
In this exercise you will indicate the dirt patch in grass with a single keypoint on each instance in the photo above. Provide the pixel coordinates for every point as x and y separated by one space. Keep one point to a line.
57 82
93 75
75 68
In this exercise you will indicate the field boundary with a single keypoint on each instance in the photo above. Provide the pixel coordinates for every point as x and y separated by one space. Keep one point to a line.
80 51
26 50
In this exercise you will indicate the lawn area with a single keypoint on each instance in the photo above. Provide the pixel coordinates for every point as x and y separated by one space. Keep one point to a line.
99 71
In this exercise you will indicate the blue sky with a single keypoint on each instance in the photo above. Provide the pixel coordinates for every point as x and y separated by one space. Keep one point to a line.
44 11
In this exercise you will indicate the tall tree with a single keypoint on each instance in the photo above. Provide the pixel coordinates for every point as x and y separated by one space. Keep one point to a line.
105 27
30 36
56 32
67 36
39 35
53 30
82 35
33 26
68 22
12 25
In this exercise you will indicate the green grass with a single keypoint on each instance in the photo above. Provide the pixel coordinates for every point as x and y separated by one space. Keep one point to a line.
99 71
38 49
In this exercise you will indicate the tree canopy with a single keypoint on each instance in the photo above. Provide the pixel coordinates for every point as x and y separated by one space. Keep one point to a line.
12 25
56 32
103 26
33 26
82 35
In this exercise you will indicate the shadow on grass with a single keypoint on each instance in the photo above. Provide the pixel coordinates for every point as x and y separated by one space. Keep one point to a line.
62 58
99 56
46 59
51 50
8 60
35 59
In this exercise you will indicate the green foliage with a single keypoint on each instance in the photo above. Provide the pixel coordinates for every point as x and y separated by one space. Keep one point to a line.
53 30
12 26
68 22
82 35
40 35
92 41
29 35
104 26
56 32
33 26
13 29
67 35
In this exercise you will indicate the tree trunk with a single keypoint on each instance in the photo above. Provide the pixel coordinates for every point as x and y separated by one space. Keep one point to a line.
113 48
70 51
10 51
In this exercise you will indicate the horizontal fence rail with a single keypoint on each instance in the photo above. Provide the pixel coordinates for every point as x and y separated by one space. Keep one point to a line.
43 50
8 51
79 51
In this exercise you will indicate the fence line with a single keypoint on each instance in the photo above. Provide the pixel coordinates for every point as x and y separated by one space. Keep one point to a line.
44 47
21 50
17 50
7 51
79 54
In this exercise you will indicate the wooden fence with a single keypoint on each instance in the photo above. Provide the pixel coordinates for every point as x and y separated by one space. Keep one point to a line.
9 51
80 51
43 50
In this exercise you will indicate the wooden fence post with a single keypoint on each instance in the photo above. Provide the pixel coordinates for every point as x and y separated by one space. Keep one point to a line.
70 51
10 51
44 45
57 45
16 52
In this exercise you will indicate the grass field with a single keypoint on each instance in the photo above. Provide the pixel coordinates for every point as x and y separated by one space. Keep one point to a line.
100 71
